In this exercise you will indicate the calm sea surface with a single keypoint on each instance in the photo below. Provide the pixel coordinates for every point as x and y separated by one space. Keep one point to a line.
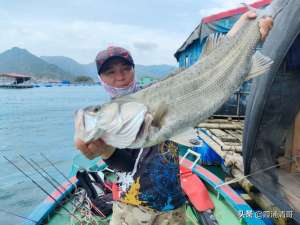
33 121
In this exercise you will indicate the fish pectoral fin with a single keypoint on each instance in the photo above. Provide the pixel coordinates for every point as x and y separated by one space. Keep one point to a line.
260 65
160 112
212 41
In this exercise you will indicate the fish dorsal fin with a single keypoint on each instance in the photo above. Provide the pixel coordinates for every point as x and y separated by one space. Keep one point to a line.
260 65
159 113
212 41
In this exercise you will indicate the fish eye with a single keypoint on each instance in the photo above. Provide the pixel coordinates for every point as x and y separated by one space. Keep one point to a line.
96 109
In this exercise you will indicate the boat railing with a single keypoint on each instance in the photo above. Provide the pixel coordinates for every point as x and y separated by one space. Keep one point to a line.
190 152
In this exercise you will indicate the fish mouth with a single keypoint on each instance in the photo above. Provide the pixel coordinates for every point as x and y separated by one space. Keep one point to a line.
85 126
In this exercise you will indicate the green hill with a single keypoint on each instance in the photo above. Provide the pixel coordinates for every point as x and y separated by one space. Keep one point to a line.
70 65
19 60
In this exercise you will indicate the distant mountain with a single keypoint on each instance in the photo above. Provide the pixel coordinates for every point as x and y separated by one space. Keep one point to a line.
19 60
22 61
155 71
70 65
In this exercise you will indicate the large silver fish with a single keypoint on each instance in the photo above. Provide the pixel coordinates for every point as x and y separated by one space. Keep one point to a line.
169 107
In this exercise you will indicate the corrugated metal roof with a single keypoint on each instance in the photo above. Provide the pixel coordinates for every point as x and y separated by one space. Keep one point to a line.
14 75
204 26
233 12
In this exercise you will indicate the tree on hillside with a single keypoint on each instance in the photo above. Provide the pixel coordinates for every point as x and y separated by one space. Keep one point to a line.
83 79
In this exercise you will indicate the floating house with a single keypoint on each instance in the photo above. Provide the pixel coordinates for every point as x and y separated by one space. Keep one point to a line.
14 80
190 51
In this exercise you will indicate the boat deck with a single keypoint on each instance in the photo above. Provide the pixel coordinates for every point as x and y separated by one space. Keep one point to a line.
222 135
225 138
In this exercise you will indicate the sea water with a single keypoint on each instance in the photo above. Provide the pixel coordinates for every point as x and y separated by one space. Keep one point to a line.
34 121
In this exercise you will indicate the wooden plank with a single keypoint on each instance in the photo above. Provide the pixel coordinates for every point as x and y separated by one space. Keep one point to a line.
233 144
213 144
214 138
237 135
233 159
220 126
218 132
245 183
225 137
233 148
218 121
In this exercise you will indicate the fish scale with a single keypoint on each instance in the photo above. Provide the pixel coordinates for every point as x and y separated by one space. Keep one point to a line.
198 104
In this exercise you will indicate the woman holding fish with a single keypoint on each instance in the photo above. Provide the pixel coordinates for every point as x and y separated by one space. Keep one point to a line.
148 190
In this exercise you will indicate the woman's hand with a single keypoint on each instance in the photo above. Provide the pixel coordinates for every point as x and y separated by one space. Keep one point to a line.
265 25
94 149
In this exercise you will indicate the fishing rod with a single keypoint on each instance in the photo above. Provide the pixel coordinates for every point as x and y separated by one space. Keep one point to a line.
51 177
61 173
39 172
49 181
92 204
58 188
17 215
41 188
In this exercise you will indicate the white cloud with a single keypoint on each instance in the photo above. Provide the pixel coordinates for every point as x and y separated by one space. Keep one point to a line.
144 46
47 28
82 39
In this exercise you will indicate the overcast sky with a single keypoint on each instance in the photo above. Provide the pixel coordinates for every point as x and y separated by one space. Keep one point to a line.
151 29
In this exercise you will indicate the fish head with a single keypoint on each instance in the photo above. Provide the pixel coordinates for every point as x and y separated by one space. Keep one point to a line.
89 121
117 123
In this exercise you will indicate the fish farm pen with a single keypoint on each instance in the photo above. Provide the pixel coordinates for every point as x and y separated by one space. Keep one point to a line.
14 81
15 86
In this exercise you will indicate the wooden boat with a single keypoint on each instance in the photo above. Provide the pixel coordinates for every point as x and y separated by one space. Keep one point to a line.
229 206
